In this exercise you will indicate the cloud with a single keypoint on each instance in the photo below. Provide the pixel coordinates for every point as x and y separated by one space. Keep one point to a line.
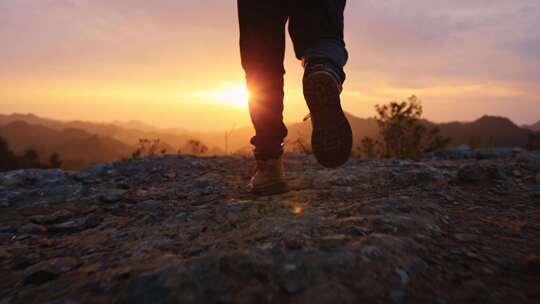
396 46
445 39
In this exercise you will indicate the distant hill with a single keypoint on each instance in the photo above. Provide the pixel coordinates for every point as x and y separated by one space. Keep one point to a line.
488 131
361 127
31 119
81 143
239 138
535 127
126 132
76 147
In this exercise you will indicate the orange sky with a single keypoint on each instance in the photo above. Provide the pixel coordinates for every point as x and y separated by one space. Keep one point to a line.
176 63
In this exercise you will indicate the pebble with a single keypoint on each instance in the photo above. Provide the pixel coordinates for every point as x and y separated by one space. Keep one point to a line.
356 231
332 241
201 183
200 215
75 225
473 174
417 267
403 276
30 229
206 191
372 252
183 216
58 216
149 205
465 237
459 152
238 206
398 296
65 264
293 242
112 196
170 175
69 226
195 250
97 169
292 279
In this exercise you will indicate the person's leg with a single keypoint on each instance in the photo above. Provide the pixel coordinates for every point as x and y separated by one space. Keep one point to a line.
262 48
316 28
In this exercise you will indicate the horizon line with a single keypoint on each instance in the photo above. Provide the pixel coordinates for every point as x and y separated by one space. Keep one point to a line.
150 125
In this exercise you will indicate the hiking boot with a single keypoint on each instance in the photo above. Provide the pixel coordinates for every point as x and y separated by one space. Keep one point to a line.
268 179
331 140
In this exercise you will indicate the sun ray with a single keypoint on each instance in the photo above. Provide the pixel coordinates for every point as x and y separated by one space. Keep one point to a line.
231 94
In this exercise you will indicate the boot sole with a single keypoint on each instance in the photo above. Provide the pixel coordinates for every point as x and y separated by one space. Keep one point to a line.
270 189
331 138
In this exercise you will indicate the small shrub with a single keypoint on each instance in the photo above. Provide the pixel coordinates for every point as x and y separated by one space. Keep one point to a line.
534 141
370 148
55 161
402 132
149 147
301 146
195 147
11 161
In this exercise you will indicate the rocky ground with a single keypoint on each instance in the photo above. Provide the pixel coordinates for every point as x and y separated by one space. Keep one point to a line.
458 227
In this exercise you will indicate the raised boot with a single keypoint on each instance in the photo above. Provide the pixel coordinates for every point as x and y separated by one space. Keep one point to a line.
332 136
268 178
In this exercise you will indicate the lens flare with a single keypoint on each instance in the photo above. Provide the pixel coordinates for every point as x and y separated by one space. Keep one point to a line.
235 95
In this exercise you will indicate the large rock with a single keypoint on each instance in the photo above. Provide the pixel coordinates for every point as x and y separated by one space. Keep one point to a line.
183 230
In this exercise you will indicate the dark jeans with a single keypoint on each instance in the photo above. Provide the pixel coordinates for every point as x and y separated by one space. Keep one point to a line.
316 29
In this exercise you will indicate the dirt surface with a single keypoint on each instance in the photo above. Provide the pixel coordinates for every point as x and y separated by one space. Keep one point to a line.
453 228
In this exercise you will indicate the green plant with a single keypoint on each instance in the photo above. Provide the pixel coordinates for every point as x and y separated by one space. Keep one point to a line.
402 132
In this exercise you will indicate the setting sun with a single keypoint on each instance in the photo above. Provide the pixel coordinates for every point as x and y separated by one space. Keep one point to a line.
235 95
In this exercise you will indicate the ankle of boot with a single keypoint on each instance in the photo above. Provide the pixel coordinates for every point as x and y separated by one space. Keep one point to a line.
265 156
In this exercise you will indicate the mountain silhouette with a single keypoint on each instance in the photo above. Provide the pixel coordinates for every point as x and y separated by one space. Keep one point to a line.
83 143
534 127
128 133
488 131
77 148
